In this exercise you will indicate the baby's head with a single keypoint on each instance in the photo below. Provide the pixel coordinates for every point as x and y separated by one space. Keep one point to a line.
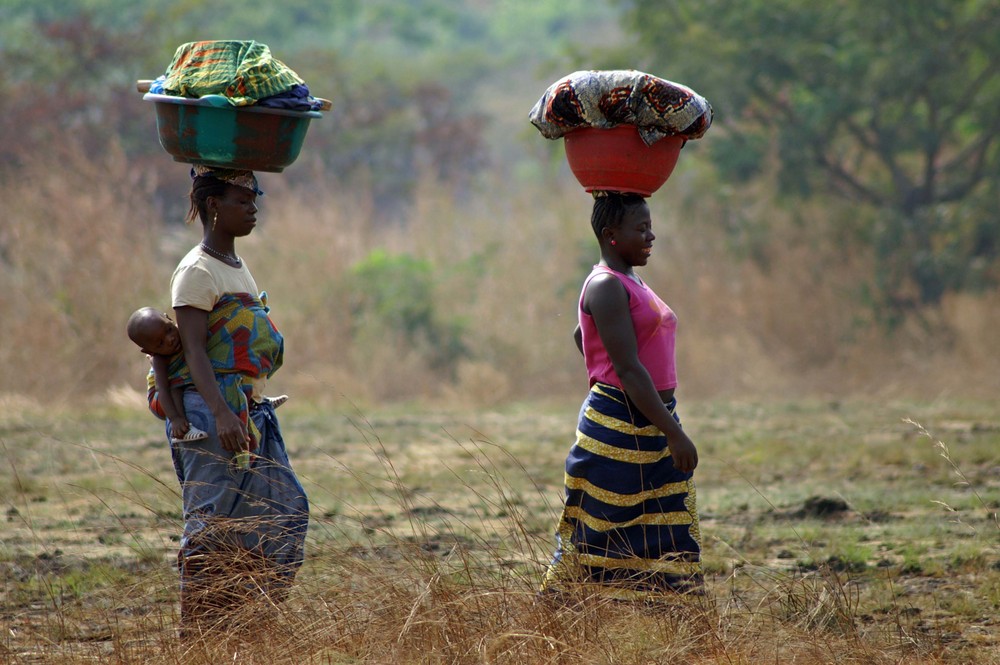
154 332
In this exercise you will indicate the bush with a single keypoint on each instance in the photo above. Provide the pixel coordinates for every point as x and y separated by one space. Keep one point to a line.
393 297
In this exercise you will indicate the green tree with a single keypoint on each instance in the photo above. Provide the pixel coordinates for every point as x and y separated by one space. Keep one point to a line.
891 105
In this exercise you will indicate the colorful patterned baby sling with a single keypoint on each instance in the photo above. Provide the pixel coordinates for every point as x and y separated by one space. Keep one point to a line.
242 344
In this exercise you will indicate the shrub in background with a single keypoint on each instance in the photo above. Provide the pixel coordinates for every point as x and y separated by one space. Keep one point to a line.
393 300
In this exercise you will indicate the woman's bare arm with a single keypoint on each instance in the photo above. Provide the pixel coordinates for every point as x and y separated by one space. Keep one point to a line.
193 324
607 301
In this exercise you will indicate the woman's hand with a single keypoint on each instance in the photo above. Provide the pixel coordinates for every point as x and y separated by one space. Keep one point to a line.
231 432
683 452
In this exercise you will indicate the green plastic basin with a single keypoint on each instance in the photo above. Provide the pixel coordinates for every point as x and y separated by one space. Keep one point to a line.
212 132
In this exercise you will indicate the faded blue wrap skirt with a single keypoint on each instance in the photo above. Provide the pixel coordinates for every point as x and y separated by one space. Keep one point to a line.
262 511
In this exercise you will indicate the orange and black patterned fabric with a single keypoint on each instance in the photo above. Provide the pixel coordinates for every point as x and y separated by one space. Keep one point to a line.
605 99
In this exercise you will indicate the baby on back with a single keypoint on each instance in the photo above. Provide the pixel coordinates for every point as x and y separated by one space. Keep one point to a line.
156 335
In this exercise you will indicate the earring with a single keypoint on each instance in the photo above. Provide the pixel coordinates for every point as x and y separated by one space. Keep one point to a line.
614 242
215 219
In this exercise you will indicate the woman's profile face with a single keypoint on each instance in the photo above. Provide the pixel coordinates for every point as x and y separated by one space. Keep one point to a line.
237 210
634 235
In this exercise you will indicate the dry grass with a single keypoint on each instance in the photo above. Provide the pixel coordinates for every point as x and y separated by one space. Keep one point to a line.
430 531
81 247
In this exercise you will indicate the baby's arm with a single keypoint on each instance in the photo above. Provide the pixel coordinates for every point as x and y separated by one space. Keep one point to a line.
173 408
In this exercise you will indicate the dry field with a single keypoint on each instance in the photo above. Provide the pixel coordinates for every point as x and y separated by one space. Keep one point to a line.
836 529
834 532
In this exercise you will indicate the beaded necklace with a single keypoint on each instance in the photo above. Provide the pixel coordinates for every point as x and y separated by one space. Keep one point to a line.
225 258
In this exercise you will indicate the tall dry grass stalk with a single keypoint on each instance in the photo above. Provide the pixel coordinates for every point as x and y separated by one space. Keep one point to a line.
962 479
81 247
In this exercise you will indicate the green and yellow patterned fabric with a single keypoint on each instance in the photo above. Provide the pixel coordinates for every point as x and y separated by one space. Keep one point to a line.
244 72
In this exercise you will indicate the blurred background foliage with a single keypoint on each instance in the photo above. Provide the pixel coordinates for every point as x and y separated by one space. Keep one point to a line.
420 88
853 162
891 106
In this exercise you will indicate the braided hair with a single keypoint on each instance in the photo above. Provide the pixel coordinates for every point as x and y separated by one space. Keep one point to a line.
203 187
609 210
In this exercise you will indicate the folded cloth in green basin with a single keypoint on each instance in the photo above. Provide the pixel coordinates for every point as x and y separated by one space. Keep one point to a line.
244 72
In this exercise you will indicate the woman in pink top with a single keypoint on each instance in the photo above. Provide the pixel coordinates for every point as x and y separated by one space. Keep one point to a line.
629 523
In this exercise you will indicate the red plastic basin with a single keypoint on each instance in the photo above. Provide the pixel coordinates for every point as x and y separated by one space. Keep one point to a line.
618 160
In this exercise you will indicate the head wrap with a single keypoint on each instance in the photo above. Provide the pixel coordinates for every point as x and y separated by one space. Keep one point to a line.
240 178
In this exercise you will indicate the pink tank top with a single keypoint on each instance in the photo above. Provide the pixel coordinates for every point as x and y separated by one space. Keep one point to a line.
655 333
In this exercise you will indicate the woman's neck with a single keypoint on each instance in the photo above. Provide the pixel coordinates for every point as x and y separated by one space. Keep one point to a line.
224 244
624 269
617 265
225 253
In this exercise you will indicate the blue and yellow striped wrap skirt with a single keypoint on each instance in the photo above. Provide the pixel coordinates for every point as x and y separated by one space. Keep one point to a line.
630 523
